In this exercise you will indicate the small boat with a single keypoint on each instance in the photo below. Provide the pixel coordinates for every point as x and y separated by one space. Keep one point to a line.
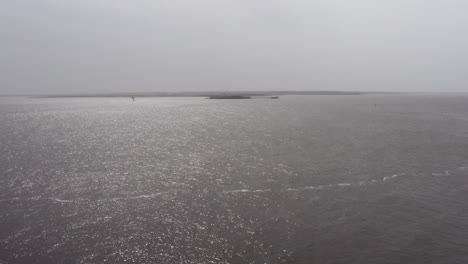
275 97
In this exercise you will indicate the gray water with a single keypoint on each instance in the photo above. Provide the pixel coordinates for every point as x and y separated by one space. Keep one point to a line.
302 179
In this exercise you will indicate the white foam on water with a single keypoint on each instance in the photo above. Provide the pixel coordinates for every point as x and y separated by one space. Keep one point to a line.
60 200
290 189
350 184
70 215
393 176
54 247
248 191
144 196
237 191
346 184
320 187
260 191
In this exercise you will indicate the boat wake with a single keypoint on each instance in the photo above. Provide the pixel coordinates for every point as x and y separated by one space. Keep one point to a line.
247 191
352 184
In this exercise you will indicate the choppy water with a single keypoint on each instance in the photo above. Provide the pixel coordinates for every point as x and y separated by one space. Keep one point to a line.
312 179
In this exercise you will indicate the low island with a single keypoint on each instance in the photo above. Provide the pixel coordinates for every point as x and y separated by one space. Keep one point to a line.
229 97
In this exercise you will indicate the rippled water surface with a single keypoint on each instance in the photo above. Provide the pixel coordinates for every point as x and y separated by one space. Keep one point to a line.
311 179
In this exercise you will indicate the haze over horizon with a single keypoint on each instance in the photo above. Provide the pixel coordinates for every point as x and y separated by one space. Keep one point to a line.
104 46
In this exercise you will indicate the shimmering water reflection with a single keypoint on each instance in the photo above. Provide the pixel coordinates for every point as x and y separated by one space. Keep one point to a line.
312 179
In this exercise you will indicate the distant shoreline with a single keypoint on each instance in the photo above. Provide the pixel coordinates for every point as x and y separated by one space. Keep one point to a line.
208 94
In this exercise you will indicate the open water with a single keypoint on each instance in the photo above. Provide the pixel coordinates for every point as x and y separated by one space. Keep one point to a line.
302 179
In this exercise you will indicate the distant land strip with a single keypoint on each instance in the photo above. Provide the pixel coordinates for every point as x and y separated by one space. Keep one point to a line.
209 94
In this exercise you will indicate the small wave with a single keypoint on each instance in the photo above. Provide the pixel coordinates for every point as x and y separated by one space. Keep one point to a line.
10 199
393 176
54 247
15 235
318 187
70 215
144 196
60 200
248 191
344 184
441 174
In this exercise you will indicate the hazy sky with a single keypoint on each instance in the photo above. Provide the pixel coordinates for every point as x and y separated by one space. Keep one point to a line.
83 46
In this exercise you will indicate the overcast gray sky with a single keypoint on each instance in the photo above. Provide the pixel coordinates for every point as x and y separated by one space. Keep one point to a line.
83 46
